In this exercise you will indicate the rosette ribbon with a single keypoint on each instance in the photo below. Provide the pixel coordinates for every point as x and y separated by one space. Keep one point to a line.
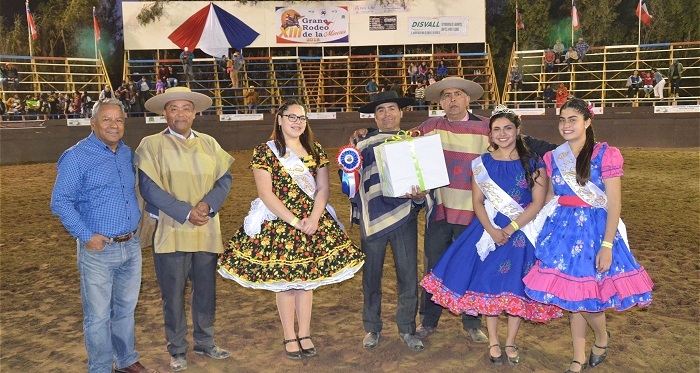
350 161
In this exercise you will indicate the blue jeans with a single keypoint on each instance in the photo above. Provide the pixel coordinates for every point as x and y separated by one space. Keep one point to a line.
110 281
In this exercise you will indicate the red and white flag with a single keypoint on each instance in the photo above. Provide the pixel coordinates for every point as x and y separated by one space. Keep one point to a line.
574 16
519 21
95 25
30 23
643 13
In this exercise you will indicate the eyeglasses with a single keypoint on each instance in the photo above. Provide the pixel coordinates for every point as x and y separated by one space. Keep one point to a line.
294 118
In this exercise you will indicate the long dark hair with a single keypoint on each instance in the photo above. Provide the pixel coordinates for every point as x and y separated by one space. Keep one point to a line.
583 161
525 154
306 138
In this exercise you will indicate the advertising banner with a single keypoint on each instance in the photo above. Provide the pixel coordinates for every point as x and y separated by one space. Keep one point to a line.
158 119
381 23
312 25
437 26
78 122
321 115
239 117
388 7
677 109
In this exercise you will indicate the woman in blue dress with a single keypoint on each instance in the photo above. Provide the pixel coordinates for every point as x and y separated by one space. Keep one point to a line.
481 272
584 262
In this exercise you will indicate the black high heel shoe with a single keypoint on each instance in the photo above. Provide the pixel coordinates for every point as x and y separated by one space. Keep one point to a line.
594 359
513 360
496 360
308 352
583 367
294 355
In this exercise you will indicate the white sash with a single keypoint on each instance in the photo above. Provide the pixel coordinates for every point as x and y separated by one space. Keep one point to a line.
296 169
497 200
590 193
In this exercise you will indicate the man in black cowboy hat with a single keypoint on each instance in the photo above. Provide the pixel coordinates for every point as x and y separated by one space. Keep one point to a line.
387 220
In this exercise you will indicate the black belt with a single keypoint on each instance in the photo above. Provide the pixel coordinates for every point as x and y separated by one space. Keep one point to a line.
124 237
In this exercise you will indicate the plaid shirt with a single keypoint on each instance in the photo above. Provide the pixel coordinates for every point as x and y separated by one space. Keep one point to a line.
95 190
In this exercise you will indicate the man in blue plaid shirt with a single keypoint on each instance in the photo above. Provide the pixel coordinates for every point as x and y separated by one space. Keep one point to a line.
95 198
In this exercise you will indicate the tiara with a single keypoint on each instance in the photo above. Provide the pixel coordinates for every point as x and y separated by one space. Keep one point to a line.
502 109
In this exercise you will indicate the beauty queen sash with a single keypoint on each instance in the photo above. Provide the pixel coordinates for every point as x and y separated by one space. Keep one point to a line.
497 200
589 193
259 213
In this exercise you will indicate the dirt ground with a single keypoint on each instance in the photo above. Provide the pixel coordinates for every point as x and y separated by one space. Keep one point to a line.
41 315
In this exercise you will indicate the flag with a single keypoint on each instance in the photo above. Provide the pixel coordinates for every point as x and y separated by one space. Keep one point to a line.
519 21
30 23
643 13
95 25
574 16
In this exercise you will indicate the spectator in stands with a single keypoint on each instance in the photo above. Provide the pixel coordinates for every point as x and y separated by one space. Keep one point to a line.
160 86
134 103
516 79
143 91
124 94
633 83
106 93
10 74
423 72
396 88
86 103
559 49
44 108
549 58
660 82
675 72
2 110
648 81
562 95
559 64
252 99
549 96
77 105
187 58
223 67
413 73
571 57
420 95
430 76
236 64
441 70
166 73
371 87
53 102
582 48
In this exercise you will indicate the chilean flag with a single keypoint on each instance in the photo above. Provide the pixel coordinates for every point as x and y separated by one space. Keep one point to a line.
574 16
95 25
643 13
30 23
214 31
519 21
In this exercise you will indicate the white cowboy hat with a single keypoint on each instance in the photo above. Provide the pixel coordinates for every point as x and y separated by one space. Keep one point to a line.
156 104
433 92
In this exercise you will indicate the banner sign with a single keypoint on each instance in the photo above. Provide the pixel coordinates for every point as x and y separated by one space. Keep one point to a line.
366 115
78 121
312 25
531 111
437 26
436 113
389 7
597 110
329 115
381 23
239 117
160 119
677 109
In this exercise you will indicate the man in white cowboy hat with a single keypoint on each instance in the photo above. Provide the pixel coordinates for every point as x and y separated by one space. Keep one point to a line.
184 179
387 220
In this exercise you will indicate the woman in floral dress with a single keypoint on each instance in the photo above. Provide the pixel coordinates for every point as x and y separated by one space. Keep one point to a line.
291 243
585 265
481 272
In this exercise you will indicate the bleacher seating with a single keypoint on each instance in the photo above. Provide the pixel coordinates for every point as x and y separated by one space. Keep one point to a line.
601 78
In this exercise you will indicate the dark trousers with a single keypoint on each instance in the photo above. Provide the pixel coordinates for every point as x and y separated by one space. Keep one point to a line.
172 271
675 85
632 90
438 237
404 247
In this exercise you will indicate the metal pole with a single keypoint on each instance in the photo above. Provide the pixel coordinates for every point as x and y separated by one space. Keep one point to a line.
517 26
94 31
29 31
639 23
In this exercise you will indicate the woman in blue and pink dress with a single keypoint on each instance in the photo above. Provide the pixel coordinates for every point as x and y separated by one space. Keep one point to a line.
481 272
584 262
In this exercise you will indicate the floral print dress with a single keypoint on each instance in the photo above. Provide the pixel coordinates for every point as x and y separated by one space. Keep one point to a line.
281 257
463 283
565 274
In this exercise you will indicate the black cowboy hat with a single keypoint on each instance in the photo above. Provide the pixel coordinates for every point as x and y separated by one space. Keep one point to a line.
383 98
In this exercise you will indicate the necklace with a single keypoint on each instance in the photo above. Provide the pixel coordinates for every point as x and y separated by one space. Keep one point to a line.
507 156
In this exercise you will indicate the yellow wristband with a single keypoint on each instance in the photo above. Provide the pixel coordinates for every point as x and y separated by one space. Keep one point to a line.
606 244
294 221
515 225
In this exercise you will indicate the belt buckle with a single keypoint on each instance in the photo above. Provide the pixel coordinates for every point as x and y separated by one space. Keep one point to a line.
124 237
